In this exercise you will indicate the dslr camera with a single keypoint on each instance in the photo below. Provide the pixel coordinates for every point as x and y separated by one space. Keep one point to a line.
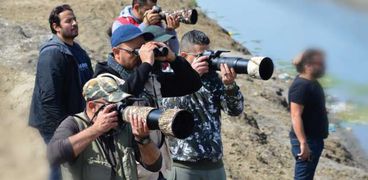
257 67
186 16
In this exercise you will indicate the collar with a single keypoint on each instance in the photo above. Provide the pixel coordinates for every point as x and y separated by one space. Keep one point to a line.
56 41
123 73
127 12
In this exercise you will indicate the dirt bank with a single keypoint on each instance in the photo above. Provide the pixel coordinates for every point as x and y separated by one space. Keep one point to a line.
256 143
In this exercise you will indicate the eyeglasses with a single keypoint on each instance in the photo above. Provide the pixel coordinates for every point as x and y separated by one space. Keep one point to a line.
196 54
132 52
104 104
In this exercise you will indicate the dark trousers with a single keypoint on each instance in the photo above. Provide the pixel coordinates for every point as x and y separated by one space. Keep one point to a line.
304 170
55 172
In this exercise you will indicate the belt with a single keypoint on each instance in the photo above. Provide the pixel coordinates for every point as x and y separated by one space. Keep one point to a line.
199 165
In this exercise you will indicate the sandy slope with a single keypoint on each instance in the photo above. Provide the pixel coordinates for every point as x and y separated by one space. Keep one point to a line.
22 152
256 144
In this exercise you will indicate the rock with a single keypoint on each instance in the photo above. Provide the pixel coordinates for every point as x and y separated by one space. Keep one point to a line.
284 76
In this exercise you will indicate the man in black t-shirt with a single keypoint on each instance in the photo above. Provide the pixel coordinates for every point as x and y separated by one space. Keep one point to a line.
308 113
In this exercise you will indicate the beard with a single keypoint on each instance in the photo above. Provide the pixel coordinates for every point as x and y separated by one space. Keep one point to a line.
318 74
70 34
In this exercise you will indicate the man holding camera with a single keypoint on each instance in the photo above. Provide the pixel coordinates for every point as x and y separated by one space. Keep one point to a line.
97 143
200 155
134 61
141 14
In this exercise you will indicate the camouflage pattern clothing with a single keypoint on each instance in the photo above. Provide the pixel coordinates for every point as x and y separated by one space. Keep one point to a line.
106 86
206 104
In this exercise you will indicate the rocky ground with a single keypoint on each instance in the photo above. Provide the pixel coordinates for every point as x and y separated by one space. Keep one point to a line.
256 143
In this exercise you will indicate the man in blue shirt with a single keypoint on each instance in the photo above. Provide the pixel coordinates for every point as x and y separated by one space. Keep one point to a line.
63 68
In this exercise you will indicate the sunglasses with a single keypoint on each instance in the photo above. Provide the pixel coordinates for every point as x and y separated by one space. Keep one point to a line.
197 55
132 52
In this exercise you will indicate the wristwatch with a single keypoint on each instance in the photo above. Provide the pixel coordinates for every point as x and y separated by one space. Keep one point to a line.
143 141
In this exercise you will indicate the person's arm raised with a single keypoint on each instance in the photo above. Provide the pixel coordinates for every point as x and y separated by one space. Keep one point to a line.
231 99
105 121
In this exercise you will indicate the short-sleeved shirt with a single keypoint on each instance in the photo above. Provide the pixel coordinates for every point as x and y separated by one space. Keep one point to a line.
310 94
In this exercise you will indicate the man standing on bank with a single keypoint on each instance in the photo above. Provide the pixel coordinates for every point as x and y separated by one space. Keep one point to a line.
62 70
308 113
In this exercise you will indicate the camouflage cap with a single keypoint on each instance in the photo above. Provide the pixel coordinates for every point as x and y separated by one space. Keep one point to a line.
106 86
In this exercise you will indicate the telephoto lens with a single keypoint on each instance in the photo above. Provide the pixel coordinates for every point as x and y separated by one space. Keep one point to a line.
177 123
186 16
257 67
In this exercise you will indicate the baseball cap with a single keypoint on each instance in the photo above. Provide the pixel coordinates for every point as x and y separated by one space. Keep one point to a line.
128 32
105 86
159 33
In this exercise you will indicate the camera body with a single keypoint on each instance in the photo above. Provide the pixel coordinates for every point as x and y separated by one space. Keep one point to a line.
186 16
257 67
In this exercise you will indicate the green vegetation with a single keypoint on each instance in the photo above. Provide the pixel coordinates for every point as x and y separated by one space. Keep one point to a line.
330 81
192 4
354 113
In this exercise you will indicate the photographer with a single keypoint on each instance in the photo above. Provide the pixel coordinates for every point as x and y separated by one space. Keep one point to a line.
200 155
144 77
140 14
139 69
96 144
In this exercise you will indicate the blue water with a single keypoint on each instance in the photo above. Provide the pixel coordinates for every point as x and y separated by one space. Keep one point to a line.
281 29
360 131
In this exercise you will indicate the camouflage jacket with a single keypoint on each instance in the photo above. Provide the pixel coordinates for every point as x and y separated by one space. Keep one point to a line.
206 104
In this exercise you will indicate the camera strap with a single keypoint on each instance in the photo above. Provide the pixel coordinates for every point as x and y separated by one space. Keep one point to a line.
162 140
89 123
109 149
153 89
106 143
